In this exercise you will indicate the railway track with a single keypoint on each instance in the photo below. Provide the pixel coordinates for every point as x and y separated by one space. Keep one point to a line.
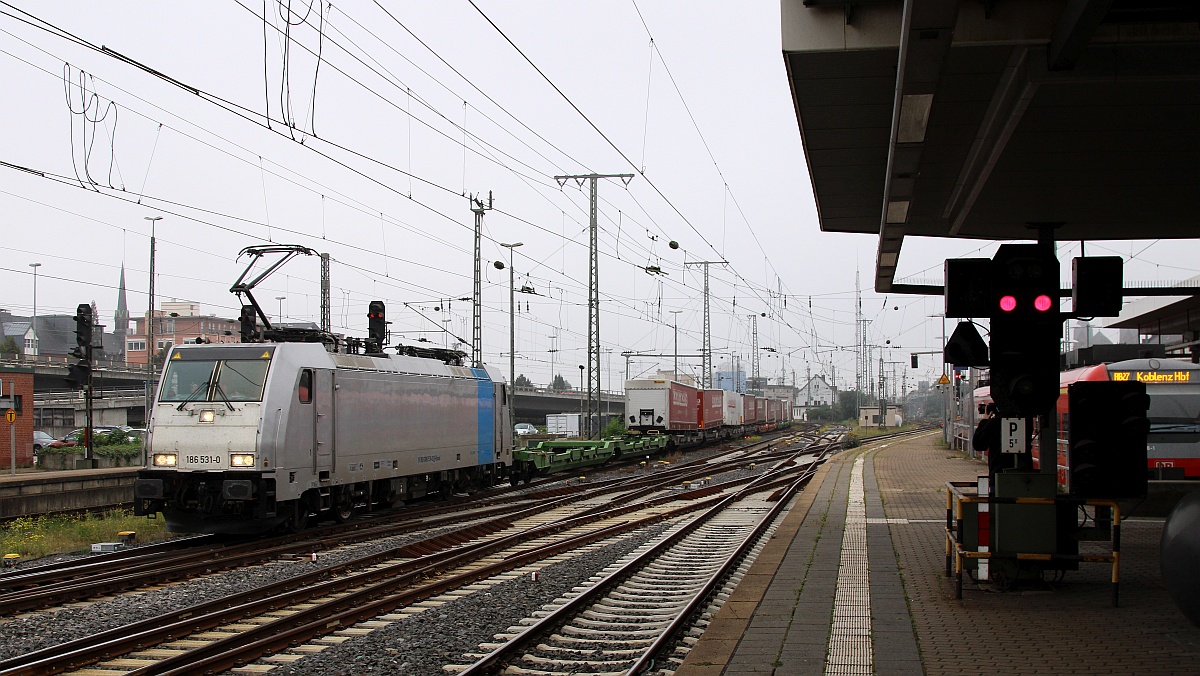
42 587
628 621
369 584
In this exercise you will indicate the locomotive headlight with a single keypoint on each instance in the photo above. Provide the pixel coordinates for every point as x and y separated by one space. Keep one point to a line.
241 460
165 459
207 415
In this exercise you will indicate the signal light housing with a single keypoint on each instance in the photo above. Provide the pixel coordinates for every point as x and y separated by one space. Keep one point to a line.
79 373
83 325
249 324
1026 329
1108 439
376 326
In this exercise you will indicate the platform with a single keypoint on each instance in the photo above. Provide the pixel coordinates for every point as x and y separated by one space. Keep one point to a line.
32 493
859 564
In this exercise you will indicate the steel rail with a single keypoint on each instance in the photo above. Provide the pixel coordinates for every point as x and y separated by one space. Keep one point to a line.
685 616
368 603
220 611
491 663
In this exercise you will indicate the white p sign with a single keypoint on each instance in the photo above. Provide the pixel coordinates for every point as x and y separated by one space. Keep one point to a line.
1012 435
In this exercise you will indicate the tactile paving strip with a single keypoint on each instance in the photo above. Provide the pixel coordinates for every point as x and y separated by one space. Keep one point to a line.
850 632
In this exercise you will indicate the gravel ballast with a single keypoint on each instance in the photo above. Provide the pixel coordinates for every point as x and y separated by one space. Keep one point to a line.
420 645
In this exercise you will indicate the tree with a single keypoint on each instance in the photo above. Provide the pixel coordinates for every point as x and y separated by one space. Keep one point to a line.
560 384
9 346
822 414
161 357
522 381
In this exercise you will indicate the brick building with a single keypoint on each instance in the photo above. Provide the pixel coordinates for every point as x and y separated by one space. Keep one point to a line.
178 323
18 394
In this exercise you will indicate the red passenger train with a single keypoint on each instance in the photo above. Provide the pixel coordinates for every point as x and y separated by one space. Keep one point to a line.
1173 442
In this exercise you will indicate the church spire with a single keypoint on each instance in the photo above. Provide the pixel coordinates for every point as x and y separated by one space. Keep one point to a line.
121 316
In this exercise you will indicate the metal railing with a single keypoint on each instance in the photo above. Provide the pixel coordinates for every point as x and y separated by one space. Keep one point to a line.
958 494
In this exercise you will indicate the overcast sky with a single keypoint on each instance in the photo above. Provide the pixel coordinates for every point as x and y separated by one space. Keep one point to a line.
410 110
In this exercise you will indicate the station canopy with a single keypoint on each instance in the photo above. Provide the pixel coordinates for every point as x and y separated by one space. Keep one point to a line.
989 119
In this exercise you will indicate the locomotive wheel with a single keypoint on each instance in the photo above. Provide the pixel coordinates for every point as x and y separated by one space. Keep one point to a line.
300 518
343 507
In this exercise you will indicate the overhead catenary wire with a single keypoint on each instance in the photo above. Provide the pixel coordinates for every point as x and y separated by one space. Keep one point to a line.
748 286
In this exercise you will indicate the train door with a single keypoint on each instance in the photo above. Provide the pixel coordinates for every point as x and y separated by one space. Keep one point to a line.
502 427
324 448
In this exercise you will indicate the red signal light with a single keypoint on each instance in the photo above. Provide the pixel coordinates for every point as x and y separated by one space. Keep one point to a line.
1042 303
1008 303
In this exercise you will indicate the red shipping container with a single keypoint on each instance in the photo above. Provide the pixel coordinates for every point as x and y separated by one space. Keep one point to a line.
711 406
684 406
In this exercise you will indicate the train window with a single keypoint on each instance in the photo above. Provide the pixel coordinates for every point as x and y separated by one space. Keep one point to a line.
242 379
187 380
305 388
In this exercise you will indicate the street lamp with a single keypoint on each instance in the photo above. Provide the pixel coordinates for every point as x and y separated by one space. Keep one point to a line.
280 299
35 266
150 328
582 389
512 327
675 367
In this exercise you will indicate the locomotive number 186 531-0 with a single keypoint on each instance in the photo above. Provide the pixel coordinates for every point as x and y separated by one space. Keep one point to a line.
202 459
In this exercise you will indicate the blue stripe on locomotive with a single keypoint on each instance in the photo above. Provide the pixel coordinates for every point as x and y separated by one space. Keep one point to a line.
485 417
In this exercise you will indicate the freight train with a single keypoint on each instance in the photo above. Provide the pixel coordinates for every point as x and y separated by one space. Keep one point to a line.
690 416
660 415
247 437
1173 441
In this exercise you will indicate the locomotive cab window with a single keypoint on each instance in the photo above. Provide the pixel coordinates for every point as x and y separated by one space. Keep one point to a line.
242 379
214 380
304 389
187 381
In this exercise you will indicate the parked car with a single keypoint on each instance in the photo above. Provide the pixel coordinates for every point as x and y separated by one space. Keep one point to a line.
524 428
75 437
41 440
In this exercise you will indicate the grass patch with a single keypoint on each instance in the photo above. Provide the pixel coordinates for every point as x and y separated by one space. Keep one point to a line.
35 537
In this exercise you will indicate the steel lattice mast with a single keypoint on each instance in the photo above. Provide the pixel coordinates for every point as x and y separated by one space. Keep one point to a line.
478 207
707 349
593 361
326 324
754 360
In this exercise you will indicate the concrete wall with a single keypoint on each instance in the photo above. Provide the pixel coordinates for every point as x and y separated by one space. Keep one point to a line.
45 493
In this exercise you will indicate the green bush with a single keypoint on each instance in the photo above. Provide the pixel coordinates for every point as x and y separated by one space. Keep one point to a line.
616 428
123 451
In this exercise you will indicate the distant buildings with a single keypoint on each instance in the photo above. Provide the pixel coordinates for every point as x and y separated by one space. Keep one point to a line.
175 323
816 392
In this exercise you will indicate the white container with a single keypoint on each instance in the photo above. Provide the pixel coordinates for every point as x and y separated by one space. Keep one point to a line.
563 424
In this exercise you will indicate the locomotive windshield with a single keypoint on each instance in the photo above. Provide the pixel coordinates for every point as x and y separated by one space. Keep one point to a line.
214 380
